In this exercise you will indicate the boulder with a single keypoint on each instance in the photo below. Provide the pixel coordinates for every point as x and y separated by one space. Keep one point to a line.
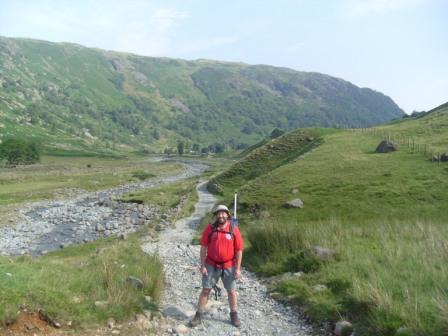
110 323
386 147
101 304
100 228
319 288
181 329
343 328
135 282
323 253
295 203
403 331
142 322
294 190
214 188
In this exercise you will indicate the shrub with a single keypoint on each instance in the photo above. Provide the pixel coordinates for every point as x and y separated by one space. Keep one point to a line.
304 261
19 151
142 175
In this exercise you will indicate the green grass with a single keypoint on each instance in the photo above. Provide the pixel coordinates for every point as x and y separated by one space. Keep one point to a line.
344 179
65 284
55 176
382 269
383 214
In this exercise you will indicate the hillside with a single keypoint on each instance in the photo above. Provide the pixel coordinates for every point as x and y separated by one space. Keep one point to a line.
380 219
72 96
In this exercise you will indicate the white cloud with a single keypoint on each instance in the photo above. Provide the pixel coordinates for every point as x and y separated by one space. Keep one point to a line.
357 8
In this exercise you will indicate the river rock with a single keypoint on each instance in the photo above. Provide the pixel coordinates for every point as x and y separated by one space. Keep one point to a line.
110 323
142 322
181 329
100 228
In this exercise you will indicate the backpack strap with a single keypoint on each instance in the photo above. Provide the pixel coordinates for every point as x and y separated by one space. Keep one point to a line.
214 226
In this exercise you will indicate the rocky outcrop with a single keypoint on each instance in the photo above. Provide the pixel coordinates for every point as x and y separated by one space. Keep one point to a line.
386 147
295 203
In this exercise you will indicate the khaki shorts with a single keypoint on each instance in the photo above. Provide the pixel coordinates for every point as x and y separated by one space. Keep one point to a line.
213 274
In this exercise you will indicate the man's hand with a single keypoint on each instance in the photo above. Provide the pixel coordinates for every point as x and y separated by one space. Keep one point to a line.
204 270
237 273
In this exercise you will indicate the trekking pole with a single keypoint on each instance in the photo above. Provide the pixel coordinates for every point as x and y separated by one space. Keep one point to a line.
235 201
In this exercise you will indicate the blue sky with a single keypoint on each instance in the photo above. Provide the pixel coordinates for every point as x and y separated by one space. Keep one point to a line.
398 47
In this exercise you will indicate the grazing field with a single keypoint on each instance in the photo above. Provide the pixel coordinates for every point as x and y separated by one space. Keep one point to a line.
380 220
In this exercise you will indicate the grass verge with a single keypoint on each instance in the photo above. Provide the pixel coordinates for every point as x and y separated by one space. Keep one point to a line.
179 194
384 275
85 284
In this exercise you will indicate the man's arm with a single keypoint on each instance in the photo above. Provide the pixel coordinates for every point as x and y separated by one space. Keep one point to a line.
238 257
203 257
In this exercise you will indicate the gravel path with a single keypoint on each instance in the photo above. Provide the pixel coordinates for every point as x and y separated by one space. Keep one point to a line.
260 315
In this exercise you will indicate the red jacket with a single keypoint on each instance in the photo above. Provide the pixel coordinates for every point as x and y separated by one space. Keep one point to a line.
222 245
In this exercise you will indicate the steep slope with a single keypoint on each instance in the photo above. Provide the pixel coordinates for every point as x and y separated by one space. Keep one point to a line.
90 95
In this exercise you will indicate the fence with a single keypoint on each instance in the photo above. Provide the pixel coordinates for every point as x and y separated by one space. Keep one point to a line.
404 140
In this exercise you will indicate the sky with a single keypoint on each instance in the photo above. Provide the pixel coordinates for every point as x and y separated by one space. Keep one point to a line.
397 47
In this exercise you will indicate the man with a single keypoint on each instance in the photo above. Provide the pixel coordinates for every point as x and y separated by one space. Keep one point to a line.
221 254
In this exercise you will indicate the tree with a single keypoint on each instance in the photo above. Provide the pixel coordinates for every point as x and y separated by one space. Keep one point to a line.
180 147
276 132
195 147
19 151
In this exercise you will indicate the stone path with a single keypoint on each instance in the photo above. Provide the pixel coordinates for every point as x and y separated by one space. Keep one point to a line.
260 314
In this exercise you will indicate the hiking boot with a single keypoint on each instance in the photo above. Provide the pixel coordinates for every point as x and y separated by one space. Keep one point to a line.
234 319
197 319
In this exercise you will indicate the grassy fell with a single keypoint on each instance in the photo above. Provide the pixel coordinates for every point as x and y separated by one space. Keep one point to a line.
384 215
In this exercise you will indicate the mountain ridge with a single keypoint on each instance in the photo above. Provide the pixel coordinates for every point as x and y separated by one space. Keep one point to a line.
66 90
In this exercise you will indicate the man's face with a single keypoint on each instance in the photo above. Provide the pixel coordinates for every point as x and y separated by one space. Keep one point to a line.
222 217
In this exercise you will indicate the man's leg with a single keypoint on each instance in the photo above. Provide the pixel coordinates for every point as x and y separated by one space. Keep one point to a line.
233 300
208 281
230 285
203 299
